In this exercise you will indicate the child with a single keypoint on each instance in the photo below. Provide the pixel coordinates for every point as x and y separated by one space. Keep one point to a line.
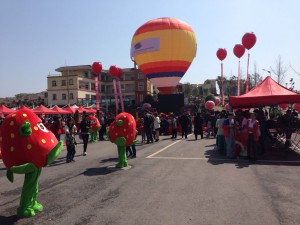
71 130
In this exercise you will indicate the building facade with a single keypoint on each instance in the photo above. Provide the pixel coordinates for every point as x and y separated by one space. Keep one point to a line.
76 85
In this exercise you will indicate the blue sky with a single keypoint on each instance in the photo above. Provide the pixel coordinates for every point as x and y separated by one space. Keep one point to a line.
36 37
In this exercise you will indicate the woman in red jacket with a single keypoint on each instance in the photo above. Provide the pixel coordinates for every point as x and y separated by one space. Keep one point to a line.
252 127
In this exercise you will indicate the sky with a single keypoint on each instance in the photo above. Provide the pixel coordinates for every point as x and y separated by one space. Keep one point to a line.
37 37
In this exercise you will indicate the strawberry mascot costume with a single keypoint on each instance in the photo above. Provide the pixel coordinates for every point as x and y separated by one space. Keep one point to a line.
94 128
122 132
27 146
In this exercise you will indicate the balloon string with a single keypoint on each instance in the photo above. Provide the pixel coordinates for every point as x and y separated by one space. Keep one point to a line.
238 91
97 91
222 83
121 96
116 95
248 75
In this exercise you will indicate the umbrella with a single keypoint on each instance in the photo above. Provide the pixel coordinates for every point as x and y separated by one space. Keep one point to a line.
43 110
4 110
60 110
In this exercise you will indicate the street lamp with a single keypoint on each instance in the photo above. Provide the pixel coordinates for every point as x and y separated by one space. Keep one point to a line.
267 71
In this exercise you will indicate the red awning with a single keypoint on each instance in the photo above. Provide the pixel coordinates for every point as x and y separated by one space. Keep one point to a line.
4 110
43 110
60 110
266 93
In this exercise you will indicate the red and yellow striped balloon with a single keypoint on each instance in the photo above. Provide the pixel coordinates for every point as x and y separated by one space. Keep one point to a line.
164 49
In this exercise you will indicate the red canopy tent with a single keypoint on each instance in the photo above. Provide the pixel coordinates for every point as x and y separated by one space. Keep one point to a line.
24 107
70 109
60 110
4 110
43 110
266 93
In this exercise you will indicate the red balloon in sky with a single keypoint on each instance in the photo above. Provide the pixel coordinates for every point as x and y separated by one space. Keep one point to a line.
209 105
114 71
249 40
97 67
221 54
239 50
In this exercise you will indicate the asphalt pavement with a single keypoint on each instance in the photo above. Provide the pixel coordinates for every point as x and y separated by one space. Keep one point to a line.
171 182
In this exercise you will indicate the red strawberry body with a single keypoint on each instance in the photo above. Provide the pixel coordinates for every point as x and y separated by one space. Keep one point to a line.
95 124
18 146
126 128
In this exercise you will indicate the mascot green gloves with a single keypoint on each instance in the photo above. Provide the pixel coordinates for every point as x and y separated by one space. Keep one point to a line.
122 132
27 146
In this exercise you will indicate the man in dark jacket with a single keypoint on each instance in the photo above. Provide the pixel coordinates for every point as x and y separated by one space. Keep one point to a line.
184 121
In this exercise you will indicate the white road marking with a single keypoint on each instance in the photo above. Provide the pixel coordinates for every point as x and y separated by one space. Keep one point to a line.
163 149
217 159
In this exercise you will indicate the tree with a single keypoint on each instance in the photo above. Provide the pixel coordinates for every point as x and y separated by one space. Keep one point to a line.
255 78
280 70
187 89
210 97
195 92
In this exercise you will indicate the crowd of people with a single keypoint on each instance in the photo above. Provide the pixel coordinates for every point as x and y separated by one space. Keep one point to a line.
234 132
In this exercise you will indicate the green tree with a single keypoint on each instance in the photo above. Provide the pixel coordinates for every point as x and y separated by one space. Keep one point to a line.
210 97
195 92
187 89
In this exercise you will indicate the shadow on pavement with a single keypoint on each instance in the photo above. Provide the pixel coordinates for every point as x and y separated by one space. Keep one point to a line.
109 160
97 171
10 220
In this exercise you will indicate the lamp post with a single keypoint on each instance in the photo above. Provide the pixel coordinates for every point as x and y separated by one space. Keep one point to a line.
268 72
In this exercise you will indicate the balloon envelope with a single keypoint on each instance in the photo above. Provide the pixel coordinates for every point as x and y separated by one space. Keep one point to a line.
164 48
249 40
209 105
221 54
227 107
97 67
239 50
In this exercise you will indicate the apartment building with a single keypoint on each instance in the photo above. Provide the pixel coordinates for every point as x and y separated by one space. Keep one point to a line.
75 84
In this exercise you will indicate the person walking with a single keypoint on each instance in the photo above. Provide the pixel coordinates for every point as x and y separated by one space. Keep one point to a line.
253 137
221 144
198 123
148 126
228 131
184 121
70 130
156 126
174 126
84 129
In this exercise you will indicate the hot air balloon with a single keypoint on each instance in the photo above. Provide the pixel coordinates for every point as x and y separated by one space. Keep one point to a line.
164 48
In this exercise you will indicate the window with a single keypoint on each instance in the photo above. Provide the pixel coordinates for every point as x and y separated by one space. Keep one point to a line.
92 87
141 86
102 78
46 95
102 88
71 82
54 83
54 97
87 87
71 96
87 96
86 74
63 83
140 76
63 96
